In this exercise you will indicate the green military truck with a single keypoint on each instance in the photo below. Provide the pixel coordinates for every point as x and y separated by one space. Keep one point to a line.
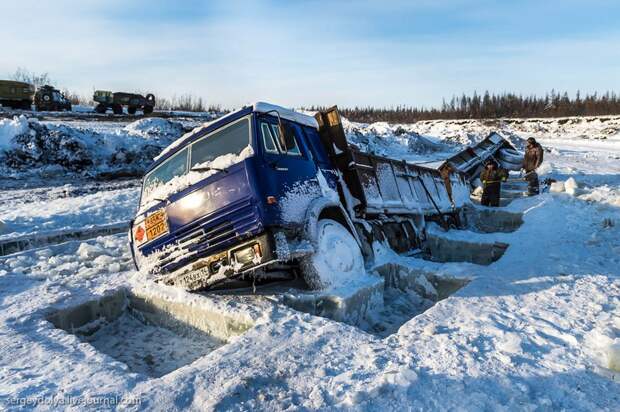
49 99
115 101
16 95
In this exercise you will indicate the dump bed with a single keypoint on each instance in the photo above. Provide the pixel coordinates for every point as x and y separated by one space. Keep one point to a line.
381 185
493 147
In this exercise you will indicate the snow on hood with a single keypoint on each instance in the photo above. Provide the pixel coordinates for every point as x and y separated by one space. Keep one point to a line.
180 183
9 128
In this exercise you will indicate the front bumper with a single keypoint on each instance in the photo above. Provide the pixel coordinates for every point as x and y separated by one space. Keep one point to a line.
221 266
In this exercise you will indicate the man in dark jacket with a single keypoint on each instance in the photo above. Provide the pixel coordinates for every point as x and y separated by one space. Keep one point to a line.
532 160
492 177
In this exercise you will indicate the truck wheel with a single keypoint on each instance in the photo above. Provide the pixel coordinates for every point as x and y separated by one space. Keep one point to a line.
131 109
337 259
101 108
148 109
117 109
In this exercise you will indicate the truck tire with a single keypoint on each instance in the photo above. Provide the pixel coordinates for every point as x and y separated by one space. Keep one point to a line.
131 109
147 109
117 109
101 108
337 258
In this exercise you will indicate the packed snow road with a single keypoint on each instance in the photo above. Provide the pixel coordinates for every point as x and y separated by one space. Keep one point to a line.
539 329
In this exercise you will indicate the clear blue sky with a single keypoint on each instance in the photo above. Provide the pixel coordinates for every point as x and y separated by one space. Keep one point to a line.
316 52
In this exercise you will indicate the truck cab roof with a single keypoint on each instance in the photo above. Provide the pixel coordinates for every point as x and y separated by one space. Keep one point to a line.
208 127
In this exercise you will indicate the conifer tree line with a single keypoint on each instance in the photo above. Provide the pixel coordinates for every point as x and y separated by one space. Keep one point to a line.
493 106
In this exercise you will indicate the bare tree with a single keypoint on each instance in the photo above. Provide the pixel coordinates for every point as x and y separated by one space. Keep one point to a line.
38 80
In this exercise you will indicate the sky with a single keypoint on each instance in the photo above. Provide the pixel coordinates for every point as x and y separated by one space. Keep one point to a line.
314 52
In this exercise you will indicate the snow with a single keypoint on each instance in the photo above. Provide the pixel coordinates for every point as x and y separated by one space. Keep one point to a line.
9 128
288 114
43 149
333 271
570 186
536 330
54 211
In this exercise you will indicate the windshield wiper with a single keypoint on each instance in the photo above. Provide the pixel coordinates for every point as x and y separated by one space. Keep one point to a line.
207 168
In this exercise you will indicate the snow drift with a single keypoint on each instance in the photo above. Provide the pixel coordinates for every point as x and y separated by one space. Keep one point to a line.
31 147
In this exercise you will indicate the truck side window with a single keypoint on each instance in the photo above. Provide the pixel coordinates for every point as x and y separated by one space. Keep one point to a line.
275 139
268 142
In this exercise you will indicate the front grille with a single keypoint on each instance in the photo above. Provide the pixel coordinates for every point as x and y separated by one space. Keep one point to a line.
208 236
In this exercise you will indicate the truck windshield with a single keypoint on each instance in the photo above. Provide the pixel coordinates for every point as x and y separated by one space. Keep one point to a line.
230 140
171 168
218 150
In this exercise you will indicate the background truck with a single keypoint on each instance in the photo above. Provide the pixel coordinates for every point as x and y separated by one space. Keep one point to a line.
16 95
48 98
115 101
266 191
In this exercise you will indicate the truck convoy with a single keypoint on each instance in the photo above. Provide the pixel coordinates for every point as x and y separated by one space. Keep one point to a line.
16 95
115 101
270 192
20 95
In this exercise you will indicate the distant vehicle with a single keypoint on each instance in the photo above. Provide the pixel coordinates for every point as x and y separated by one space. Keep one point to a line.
16 95
116 101
49 99
266 189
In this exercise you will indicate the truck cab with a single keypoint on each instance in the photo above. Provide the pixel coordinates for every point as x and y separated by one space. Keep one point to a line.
231 197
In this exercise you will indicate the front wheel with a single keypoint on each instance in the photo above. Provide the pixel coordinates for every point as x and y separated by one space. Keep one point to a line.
337 259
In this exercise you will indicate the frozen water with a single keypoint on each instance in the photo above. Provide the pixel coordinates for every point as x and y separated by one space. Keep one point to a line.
149 349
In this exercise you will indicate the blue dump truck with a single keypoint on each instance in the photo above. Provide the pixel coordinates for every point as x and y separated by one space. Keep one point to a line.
266 192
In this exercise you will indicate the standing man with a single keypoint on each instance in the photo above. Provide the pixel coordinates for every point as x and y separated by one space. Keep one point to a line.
492 177
532 160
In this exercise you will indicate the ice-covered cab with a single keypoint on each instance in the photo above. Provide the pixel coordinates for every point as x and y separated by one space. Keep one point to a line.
217 201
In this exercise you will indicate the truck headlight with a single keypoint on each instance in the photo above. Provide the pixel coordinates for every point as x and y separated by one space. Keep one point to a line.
249 254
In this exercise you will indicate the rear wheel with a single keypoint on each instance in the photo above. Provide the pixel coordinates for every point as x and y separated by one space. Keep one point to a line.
131 110
117 109
337 259
101 108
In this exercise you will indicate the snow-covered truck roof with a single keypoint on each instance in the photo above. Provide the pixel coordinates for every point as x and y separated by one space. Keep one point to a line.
257 107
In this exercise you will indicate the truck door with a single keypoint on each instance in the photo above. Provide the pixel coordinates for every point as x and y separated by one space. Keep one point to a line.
289 172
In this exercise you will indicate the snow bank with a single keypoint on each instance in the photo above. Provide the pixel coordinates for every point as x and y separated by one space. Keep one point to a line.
613 356
10 128
399 141
153 127
40 148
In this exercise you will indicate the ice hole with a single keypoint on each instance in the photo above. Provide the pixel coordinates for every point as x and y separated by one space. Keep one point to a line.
407 294
152 336
454 246
381 305
492 220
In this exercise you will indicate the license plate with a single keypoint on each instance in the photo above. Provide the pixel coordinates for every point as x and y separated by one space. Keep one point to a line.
156 224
